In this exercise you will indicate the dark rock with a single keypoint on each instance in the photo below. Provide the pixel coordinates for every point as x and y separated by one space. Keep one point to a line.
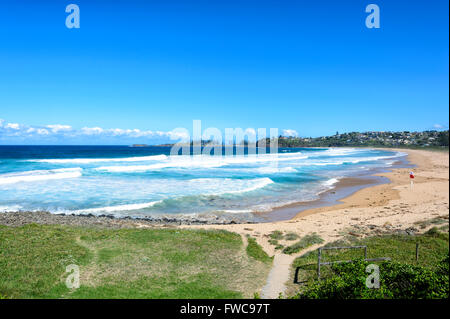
411 231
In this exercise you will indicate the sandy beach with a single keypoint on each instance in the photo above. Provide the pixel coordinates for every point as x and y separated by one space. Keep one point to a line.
386 208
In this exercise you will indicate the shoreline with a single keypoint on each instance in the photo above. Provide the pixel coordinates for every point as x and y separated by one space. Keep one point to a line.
344 188
385 191
380 209
365 190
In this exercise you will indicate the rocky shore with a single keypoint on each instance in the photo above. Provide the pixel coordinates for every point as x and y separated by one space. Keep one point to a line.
16 219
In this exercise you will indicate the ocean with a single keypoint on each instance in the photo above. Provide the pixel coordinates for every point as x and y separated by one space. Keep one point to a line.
142 182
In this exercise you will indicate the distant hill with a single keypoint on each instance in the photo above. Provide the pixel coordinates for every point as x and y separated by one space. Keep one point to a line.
425 139
140 145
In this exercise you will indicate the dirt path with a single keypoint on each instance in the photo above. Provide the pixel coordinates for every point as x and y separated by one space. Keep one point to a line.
280 273
278 276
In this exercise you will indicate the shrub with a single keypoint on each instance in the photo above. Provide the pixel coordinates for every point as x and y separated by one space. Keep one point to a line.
255 251
303 243
397 281
291 236
276 234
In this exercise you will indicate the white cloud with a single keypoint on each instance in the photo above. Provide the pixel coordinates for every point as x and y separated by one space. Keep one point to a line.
438 126
12 132
92 130
13 126
58 127
289 132
42 131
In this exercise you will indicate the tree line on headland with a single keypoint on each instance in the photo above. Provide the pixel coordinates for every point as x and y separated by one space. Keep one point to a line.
425 139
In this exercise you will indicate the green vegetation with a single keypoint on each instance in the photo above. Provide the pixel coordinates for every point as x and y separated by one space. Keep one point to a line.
402 277
303 243
128 263
425 139
291 236
255 251
397 281
434 221
276 235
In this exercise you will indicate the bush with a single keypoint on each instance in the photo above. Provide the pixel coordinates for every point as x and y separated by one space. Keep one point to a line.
276 234
255 251
303 243
397 281
291 236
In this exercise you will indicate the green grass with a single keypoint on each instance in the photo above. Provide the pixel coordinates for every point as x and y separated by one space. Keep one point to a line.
255 251
128 263
303 243
400 248
291 236
32 260
276 234
434 221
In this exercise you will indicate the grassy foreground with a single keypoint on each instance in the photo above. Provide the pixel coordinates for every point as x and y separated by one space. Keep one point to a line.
128 263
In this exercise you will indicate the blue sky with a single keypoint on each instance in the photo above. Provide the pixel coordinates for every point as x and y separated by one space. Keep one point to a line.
152 66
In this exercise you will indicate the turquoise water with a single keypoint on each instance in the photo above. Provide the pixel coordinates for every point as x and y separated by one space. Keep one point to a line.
147 182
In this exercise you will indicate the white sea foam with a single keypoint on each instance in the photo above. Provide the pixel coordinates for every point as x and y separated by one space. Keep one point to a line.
268 207
12 208
237 211
350 160
117 208
258 183
206 161
99 160
338 151
40 175
201 161
331 182
159 166
201 183
274 170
